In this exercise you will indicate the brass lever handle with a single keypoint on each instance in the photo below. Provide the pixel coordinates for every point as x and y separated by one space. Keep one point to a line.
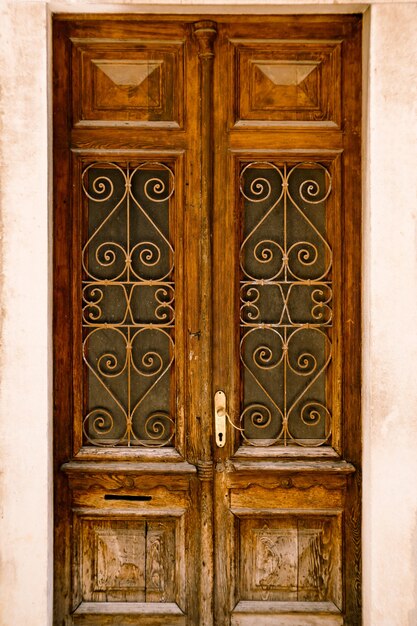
220 414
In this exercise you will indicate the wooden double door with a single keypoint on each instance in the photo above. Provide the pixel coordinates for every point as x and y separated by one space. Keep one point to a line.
207 320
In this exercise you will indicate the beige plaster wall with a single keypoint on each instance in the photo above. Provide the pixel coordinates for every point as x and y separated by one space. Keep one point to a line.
25 490
390 349
390 305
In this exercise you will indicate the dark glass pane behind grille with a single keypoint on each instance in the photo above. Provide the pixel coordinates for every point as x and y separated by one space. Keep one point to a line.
128 305
286 300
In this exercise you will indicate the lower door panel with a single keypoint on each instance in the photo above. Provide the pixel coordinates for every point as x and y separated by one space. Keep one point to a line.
131 542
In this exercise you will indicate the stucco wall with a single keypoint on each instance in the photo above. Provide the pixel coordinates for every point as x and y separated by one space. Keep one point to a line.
25 441
390 349
390 307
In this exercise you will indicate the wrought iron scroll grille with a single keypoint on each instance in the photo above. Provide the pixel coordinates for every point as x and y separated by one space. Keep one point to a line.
285 304
128 313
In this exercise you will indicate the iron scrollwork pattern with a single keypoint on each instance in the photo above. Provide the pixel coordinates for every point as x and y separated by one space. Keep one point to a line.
285 304
128 312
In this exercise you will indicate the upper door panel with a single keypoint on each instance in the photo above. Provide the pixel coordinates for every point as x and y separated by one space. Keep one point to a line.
129 82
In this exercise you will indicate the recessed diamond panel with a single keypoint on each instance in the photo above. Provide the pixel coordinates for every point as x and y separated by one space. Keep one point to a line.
284 82
126 83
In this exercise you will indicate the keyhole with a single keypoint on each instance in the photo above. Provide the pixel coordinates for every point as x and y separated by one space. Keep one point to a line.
220 437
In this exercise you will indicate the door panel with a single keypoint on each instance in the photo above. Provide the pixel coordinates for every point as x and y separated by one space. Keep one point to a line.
126 492
284 288
207 221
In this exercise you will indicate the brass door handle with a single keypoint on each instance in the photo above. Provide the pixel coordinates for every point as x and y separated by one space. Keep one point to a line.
220 414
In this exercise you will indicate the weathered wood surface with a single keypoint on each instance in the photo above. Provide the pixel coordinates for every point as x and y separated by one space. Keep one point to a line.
205 33
288 614
129 614
286 466
197 535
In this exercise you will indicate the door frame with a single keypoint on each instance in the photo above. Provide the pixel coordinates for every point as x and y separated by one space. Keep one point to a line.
210 399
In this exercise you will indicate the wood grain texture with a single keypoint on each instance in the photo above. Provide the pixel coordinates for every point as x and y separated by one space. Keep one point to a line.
352 323
62 358
126 560
265 122
205 33
132 467
157 566
288 614
291 559
309 497
278 465
280 608
287 82
127 608
128 83
128 614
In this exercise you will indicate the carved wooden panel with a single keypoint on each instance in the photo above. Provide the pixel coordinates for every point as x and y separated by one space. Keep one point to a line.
160 553
292 559
128 83
151 499
127 560
287 81
274 560
118 558
290 492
